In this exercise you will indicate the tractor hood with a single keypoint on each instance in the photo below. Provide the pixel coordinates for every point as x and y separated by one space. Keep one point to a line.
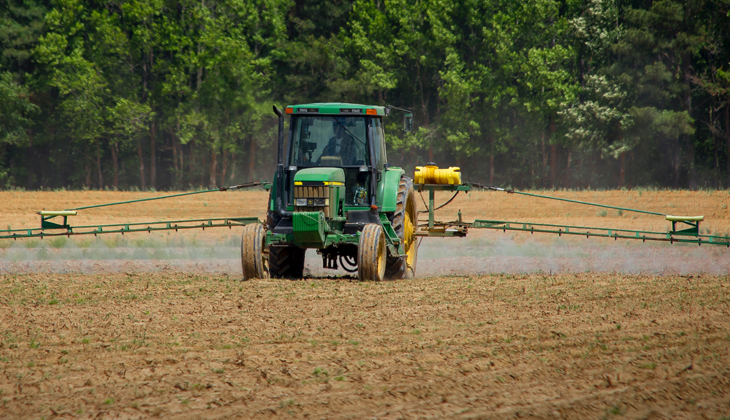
320 175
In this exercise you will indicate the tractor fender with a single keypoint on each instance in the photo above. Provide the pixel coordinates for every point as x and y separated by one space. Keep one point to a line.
388 189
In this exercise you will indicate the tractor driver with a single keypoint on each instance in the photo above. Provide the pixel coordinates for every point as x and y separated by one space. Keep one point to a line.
342 145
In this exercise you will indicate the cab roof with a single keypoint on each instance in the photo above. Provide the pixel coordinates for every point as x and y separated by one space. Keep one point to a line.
336 108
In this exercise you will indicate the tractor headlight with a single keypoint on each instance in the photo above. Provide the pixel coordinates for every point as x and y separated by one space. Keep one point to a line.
312 202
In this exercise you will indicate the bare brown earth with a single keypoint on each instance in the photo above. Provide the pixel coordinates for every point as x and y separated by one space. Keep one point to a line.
189 346
176 338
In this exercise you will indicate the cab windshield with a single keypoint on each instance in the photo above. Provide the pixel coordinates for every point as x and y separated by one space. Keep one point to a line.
329 141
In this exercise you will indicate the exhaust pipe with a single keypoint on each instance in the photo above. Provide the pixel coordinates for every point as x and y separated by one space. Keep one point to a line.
281 198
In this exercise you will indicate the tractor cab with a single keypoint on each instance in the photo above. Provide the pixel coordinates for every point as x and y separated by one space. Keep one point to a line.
334 143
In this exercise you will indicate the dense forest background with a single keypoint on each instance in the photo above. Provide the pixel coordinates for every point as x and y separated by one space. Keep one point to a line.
170 94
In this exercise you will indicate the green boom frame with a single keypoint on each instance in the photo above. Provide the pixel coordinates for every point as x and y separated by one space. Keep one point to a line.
679 232
459 228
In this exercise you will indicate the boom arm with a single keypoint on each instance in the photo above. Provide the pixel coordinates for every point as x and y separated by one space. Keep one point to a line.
686 232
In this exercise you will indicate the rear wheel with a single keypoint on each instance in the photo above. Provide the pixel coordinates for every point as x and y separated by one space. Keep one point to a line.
404 223
371 253
286 262
254 257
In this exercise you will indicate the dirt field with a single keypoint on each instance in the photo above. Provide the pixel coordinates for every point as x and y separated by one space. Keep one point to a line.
188 346
155 327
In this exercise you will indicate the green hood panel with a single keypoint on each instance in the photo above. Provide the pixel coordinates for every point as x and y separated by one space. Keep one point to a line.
320 175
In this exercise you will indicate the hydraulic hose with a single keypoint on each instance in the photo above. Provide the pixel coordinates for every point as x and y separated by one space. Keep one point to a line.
116 203
487 187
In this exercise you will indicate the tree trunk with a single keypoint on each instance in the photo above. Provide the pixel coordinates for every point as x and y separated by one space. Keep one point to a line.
717 162
224 161
87 167
581 171
553 164
233 166
177 149
213 167
252 161
688 138
491 162
424 106
88 175
622 171
675 163
153 146
727 142
553 157
568 181
591 167
715 146
182 161
544 160
544 154
175 161
115 163
98 165
203 168
691 161
141 163
192 164
522 174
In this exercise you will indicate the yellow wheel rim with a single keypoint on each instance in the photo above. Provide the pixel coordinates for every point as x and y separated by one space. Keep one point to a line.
381 258
409 232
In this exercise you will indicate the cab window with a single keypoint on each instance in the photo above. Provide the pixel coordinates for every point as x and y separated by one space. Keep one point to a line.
329 141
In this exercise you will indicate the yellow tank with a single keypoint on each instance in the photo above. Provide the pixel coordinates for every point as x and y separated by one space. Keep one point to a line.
431 174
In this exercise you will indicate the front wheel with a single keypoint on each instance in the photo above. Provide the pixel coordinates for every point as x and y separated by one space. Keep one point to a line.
371 253
254 257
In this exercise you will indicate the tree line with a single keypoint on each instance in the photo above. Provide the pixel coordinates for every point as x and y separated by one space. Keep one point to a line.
170 94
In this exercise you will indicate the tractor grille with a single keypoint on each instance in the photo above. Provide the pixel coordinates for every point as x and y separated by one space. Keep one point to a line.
310 193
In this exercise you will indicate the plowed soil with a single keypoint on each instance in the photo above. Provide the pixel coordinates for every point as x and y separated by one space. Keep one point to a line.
189 346
171 338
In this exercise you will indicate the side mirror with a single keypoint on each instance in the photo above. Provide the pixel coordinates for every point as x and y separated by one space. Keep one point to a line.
408 123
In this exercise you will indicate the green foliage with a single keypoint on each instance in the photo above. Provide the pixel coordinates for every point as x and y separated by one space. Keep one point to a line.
539 94
16 110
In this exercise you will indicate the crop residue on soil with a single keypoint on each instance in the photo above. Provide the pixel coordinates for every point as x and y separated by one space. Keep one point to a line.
191 346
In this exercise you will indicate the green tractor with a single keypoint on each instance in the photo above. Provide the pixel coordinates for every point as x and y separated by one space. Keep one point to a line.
334 191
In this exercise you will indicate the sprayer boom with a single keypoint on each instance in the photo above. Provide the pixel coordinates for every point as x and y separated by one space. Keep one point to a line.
684 229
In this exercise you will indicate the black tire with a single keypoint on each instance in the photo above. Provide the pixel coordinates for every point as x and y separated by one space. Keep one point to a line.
405 214
371 253
254 256
286 262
